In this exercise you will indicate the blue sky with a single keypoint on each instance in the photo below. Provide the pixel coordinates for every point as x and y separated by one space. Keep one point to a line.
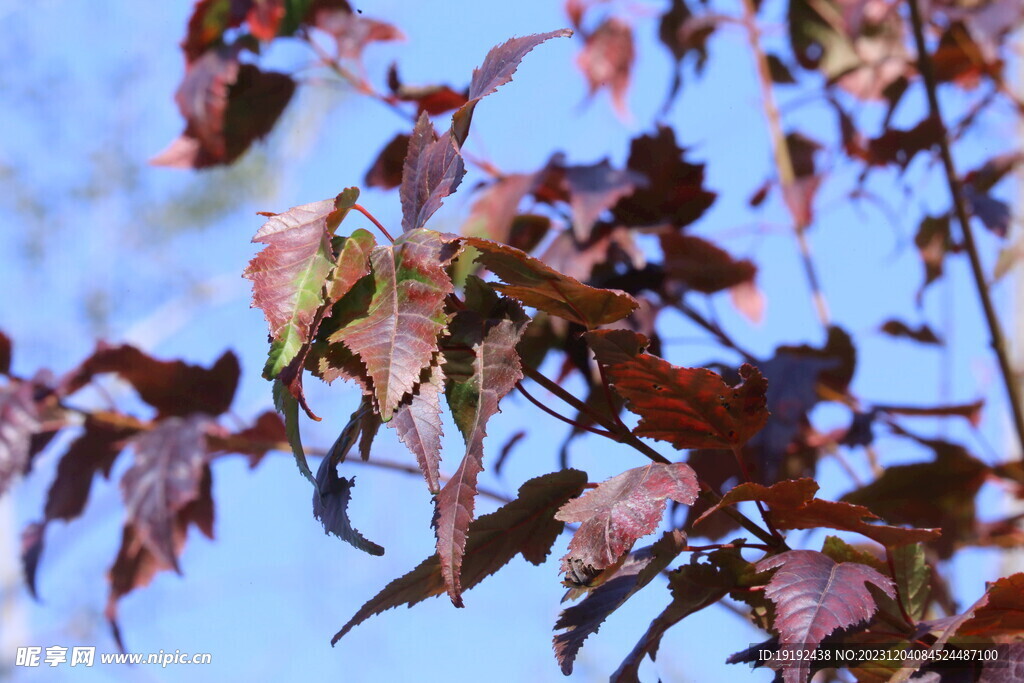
98 244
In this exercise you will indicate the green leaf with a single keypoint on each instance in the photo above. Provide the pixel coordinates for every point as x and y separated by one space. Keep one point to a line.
478 379
288 276
396 336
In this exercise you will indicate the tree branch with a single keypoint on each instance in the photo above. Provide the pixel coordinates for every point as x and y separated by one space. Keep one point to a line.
960 208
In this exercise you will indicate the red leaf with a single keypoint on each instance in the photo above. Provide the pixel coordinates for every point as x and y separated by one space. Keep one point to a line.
418 424
579 621
621 510
172 387
814 596
5 354
19 420
353 32
432 99
266 434
396 336
479 379
164 477
206 27
226 106
525 526
433 170
497 69
1003 612
264 17
929 494
702 266
537 285
688 407
136 564
289 274
607 61
674 192
386 172
793 506
595 188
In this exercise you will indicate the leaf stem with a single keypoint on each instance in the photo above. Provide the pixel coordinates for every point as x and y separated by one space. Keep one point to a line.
362 210
557 415
960 207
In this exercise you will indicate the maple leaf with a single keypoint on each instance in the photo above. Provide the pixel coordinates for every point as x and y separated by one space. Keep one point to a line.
386 171
594 189
396 336
497 69
479 378
702 266
793 506
432 99
173 388
432 170
814 596
537 285
207 24
352 32
418 423
330 506
1002 613
607 61
688 407
622 509
137 563
929 494
526 527
93 452
19 420
693 586
288 275
164 477
226 106
674 192
579 621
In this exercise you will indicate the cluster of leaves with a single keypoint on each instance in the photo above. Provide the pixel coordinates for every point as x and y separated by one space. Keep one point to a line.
549 266
168 486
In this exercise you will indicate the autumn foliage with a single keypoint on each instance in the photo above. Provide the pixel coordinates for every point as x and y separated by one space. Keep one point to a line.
424 322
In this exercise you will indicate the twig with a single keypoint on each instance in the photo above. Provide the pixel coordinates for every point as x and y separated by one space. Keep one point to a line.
559 416
783 159
960 208
373 220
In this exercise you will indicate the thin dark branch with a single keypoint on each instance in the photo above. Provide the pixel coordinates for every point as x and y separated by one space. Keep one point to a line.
960 208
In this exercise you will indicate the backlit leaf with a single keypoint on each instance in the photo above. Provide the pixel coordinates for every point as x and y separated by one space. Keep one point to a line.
418 424
19 420
289 274
793 506
814 596
525 526
688 407
607 61
579 621
478 379
702 266
497 69
1002 613
537 285
622 509
396 336
173 388
164 477
432 170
